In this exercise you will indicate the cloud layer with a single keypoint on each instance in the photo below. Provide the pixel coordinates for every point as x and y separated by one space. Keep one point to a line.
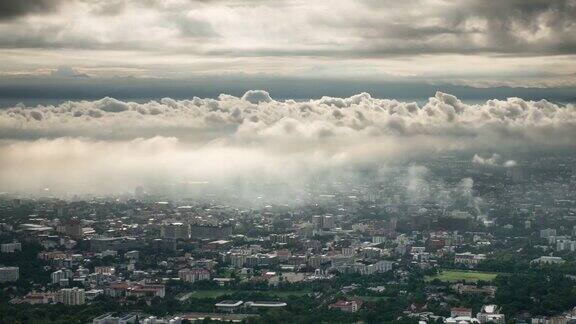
110 146
495 42
256 116
15 9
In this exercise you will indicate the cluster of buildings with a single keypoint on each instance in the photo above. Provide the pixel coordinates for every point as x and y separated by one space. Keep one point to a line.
132 249
488 314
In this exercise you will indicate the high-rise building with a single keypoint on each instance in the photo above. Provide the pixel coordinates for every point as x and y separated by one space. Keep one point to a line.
73 228
175 231
328 222
60 275
323 222
393 224
317 221
9 274
71 296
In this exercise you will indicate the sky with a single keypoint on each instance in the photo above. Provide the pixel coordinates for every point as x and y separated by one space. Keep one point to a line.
291 48
99 97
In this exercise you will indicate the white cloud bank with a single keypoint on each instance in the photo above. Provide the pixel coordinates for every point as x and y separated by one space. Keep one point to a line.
110 146
494 160
257 116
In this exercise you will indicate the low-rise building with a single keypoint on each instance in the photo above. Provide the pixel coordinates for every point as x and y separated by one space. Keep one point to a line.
548 260
146 291
473 289
491 314
460 311
229 306
193 275
469 259
109 318
265 304
351 306
10 247
9 274
36 298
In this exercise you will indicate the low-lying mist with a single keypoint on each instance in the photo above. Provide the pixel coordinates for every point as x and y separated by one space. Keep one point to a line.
257 144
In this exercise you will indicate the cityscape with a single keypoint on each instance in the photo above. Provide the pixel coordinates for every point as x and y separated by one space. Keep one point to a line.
288 161
500 250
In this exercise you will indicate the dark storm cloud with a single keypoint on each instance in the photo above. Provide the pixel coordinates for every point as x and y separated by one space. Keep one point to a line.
511 24
10 9
519 27
391 29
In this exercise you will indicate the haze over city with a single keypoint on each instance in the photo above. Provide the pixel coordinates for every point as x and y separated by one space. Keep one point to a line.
288 161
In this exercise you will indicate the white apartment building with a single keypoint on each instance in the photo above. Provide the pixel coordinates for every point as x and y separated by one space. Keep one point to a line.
71 296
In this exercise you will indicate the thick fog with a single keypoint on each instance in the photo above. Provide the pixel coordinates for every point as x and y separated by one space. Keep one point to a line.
108 146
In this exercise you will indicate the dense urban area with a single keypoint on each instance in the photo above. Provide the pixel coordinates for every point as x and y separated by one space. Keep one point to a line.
453 239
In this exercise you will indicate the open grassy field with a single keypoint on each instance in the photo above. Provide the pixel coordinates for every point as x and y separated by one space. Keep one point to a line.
459 275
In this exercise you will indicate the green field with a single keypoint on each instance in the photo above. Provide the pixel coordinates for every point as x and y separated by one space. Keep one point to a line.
459 275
